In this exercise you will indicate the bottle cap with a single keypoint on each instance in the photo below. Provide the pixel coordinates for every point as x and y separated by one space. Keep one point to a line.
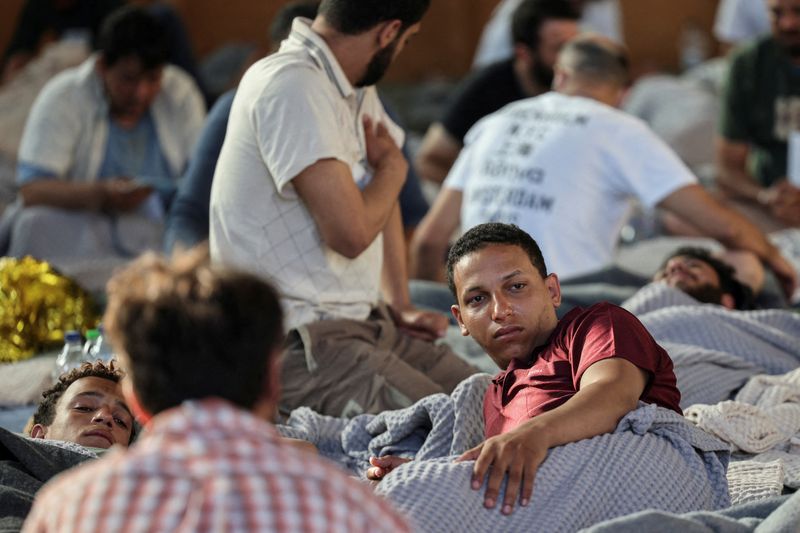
72 336
92 334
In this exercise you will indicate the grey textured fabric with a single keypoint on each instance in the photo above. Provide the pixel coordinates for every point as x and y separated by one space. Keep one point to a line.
655 459
25 465
776 515
766 338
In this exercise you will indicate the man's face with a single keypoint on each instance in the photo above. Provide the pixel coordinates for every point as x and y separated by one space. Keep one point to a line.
130 88
504 303
553 35
384 57
785 17
693 276
92 413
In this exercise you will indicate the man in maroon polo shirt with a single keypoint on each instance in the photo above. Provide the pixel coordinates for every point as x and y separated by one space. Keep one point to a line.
561 381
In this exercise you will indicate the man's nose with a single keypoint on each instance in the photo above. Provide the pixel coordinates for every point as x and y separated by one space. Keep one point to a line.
102 416
500 307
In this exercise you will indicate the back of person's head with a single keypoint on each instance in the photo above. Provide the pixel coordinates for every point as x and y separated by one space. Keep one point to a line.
189 330
282 23
483 235
353 17
530 16
131 31
596 59
743 295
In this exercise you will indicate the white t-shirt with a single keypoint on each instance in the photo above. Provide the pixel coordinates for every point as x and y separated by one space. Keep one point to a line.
741 20
564 169
291 110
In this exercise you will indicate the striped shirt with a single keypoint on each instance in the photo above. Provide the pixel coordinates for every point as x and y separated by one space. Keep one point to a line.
209 466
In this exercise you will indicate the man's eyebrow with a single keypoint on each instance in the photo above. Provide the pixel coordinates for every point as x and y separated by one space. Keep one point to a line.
95 394
512 274
504 278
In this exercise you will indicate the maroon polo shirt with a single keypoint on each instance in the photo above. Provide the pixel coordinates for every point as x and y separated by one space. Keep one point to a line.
553 373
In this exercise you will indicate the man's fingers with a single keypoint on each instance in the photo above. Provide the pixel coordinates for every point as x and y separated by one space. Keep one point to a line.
381 131
493 486
375 473
512 489
470 455
527 484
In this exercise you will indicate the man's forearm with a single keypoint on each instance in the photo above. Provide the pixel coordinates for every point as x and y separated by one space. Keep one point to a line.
594 410
381 194
63 194
394 275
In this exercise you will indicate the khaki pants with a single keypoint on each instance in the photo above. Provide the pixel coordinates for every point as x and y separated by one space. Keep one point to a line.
347 367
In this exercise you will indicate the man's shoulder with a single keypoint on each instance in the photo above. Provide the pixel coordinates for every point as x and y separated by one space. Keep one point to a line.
599 314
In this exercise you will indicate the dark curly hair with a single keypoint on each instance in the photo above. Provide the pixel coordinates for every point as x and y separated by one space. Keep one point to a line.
46 411
483 235
188 330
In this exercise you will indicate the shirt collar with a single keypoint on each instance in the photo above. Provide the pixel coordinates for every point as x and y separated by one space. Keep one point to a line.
303 36
206 416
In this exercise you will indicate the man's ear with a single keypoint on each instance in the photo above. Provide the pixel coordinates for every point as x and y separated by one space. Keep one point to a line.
560 77
38 431
132 401
456 310
388 32
554 289
728 301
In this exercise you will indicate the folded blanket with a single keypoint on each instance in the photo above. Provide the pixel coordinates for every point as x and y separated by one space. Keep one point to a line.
763 422
654 459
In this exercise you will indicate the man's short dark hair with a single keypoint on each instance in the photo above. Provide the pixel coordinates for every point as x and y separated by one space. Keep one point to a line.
530 16
596 59
131 31
282 23
352 17
484 235
46 411
743 296
191 330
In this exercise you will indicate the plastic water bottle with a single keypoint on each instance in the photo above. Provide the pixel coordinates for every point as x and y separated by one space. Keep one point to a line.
71 355
91 339
102 349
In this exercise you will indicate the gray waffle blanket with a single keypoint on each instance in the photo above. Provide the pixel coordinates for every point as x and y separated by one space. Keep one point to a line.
654 460
716 350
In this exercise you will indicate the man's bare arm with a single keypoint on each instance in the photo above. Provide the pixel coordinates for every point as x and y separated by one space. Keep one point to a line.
115 195
347 218
429 245
733 178
438 152
424 325
609 389
699 209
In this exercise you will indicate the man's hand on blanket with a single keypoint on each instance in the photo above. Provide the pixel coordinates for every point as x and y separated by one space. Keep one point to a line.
517 453
381 466
425 325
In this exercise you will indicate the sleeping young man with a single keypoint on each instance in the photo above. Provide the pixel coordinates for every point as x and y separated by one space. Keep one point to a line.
561 381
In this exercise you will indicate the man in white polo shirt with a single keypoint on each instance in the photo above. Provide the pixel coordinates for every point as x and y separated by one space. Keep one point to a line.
305 194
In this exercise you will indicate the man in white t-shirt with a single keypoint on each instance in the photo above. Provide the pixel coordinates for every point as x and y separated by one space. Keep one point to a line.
565 166
305 194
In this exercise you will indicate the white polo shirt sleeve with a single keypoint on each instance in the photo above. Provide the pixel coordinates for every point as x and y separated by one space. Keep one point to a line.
306 119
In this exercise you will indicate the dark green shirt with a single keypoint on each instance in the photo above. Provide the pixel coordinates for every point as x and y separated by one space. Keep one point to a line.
761 106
